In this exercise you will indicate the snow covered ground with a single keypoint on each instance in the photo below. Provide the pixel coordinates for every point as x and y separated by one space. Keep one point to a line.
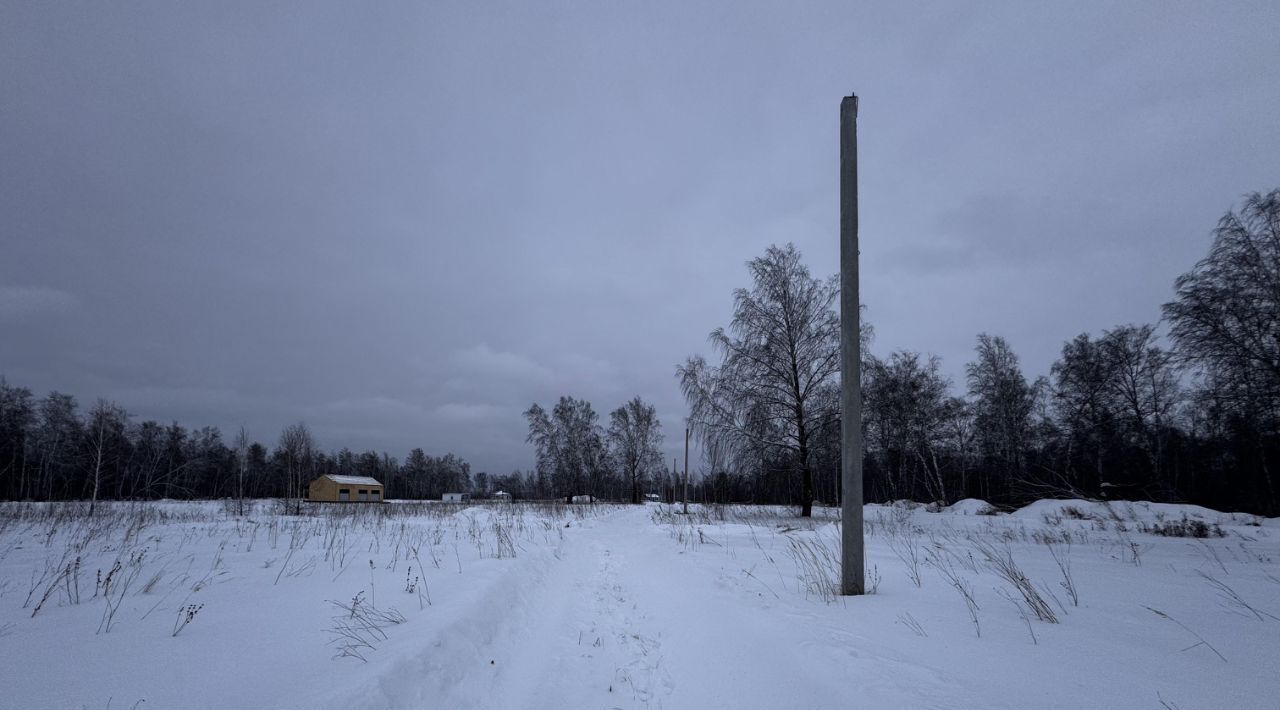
1063 604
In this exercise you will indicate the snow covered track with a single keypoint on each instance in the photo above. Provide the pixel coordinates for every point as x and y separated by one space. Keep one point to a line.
586 641
622 617
638 607
551 632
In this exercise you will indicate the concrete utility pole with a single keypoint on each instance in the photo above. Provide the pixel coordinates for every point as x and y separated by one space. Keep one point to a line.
675 471
686 469
852 577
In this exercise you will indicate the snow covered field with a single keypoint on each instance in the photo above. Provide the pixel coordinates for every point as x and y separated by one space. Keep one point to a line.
1063 604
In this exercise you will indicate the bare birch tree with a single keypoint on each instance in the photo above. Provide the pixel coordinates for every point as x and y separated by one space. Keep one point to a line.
105 437
569 446
1225 321
1002 405
634 438
781 348
907 408
242 467
1145 383
297 448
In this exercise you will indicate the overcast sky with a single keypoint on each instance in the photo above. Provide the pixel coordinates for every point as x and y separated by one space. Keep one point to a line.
404 223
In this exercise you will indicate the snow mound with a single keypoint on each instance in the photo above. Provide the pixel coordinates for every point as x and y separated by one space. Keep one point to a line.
1141 512
971 506
1070 509
1147 511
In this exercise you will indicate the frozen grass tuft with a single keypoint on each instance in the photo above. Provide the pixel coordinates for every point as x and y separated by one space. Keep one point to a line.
1234 601
186 614
1000 561
359 626
1199 639
941 559
817 562
1186 527
911 622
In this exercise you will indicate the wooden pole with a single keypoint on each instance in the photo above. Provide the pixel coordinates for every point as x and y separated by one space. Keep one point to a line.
852 576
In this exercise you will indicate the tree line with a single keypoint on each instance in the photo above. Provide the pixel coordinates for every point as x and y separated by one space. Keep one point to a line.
1122 413
49 450
575 455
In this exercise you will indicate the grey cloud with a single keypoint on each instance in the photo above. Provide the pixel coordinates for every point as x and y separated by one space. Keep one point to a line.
406 222
462 412
482 361
19 303
1016 230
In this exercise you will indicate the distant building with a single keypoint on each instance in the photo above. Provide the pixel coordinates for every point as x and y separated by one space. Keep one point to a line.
345 489
456 497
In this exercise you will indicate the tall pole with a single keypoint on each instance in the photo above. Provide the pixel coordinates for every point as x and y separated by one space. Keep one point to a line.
686 469
852 580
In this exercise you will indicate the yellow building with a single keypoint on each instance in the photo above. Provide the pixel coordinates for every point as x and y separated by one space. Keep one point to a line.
345 489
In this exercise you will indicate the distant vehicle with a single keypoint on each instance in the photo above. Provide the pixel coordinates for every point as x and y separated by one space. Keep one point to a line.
456 497
501 495
652 498
584 499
